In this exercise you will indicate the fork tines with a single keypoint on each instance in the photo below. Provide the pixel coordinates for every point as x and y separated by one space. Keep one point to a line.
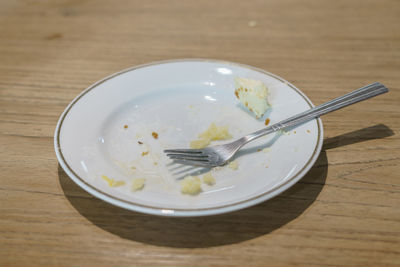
188 156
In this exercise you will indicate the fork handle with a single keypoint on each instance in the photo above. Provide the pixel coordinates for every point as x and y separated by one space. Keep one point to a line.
353 97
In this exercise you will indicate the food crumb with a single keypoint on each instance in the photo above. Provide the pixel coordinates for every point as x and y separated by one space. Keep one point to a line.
140 143
308 131
208 179
294 132
145 153
155 135
267 121
155 163
213 133
125 126
252 23
283 132
258 150
138 184
191 185
201 143
233 165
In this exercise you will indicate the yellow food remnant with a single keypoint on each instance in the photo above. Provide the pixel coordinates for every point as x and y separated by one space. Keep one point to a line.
145 153
233 165
199 143
118 183
191 185
138 184
208 179
155 135
213 133
111 181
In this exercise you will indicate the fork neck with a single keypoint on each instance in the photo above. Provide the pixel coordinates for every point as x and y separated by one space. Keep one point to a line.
260 133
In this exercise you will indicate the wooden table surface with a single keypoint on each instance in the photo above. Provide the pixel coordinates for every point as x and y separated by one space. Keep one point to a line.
345 211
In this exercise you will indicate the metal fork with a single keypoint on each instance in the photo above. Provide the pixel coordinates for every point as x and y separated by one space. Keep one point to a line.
219 155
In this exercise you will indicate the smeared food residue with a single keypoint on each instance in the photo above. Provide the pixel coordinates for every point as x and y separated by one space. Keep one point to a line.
208 179
233 165
112 182
138 184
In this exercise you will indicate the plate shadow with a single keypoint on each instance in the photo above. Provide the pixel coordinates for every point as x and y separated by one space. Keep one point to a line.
216 230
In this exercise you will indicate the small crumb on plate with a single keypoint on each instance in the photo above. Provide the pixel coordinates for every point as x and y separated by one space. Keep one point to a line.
191 185
138 184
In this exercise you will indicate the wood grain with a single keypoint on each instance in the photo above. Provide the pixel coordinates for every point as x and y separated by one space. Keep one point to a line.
344 212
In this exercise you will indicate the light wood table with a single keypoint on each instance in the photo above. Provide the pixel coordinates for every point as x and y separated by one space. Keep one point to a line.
346 211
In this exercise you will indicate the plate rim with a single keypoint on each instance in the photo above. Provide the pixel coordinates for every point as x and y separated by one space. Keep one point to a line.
183 212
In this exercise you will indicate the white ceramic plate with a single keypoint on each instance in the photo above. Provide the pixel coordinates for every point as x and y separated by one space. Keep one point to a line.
179 99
